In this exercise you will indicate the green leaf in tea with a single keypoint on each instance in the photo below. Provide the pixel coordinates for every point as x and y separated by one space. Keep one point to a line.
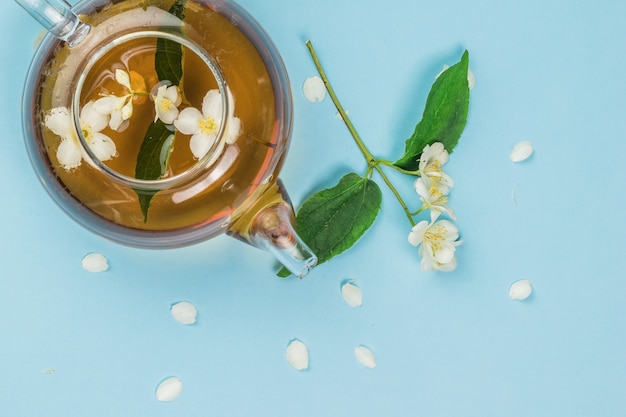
169 61
332 220
169 54
153 160
444 117
156 148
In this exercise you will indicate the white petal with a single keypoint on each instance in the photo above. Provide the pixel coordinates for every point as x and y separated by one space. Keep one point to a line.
168 117
520 290
297 355
452 232
169 389
448 267
95 262
127 110
417 233
102 146
122 77
188 122
106 105
471 79
365 356
445 180
427 263
184 312
171 93
116 120
89 116
58 120
421 188
234 129
201 143
314 89
445 254
69 154
352 294
521 151
212 105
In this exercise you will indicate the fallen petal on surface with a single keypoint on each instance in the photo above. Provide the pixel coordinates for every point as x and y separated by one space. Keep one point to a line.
520 290
471 79
314 89
352 294
95 262
169 389
184 312
365 356
297 355
521 151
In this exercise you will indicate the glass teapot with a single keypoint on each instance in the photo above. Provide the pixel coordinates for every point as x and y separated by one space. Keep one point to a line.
162 123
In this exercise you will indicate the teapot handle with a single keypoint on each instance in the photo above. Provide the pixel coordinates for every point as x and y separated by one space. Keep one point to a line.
268 223
58 19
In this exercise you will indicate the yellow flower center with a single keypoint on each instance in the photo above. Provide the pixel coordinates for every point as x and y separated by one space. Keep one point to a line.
435 191
435 235
166 104
86 133
208 125
434 167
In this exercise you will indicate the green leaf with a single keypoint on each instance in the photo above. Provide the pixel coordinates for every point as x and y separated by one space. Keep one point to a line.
158 143
445 114
169 54
153 160
169 61
332 220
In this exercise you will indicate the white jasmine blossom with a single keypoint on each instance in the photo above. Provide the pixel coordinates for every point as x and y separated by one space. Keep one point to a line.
166 104
433 197
119 108
204 126
437 243
432 160
92 122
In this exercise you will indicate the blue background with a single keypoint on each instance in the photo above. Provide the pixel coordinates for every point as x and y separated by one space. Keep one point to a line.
549 71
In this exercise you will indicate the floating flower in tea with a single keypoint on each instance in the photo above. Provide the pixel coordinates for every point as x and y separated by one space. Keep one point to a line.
204 126
166 104
92 122
121 108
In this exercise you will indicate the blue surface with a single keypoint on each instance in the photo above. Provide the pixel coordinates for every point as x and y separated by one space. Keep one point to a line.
548 71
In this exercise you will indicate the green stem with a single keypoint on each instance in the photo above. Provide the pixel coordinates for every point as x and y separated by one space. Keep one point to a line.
372 162
397 168
395 192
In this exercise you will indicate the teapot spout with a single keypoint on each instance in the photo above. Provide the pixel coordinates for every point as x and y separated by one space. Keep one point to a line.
272 229
268 223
